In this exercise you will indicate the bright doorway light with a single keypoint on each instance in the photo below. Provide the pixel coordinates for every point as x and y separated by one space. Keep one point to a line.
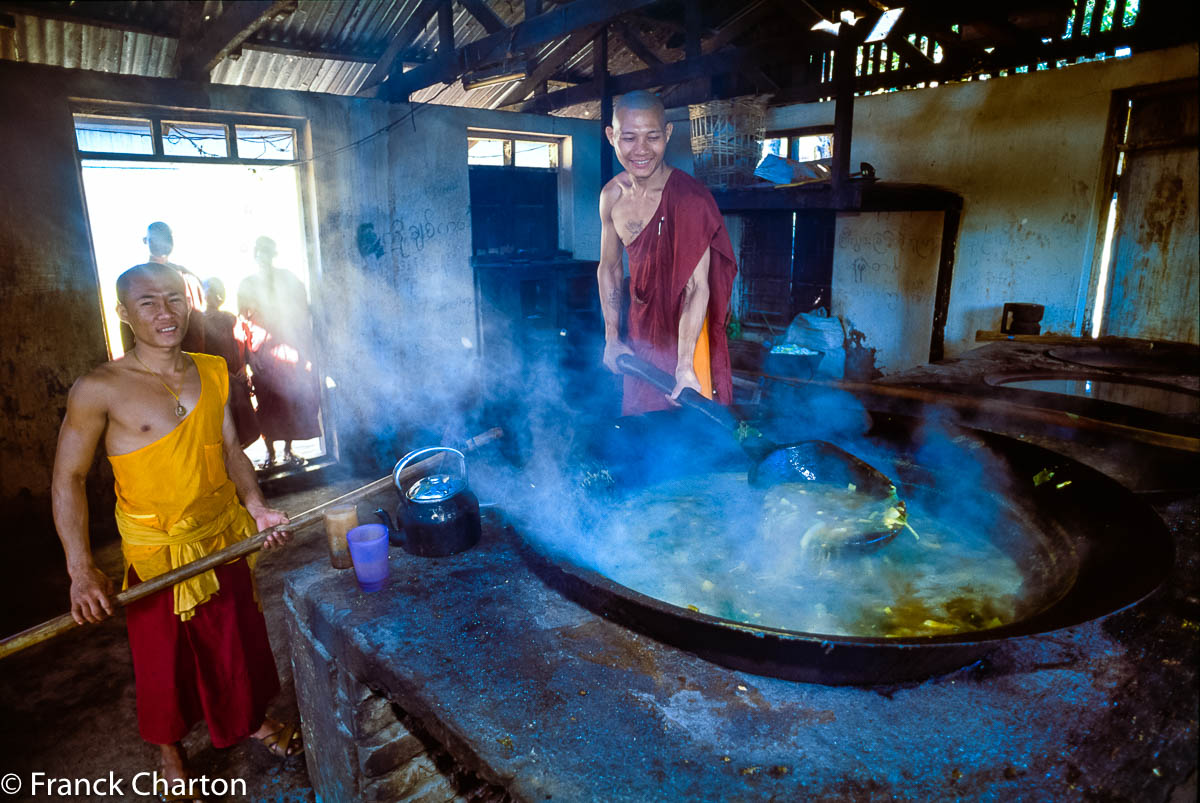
1105 260
215 211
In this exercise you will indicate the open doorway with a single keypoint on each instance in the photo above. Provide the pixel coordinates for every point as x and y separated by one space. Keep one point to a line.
1145 283
217 208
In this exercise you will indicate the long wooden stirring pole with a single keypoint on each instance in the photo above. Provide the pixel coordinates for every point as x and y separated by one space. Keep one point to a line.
61 624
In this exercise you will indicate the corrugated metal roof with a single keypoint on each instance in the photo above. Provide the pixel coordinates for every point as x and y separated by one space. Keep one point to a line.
88 47
358 29
280 71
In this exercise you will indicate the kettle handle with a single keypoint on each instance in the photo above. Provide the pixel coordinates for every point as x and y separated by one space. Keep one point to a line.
411 456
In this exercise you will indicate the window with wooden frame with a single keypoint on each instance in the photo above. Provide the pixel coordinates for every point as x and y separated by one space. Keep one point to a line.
104 131
514 185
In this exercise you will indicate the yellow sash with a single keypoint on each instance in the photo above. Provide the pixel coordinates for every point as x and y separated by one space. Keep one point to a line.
152 551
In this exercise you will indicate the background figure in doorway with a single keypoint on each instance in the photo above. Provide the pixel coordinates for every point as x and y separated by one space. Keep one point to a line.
225 338
161 243
281 353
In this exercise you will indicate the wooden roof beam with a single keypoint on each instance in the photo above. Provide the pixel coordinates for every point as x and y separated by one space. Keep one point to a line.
509 42
741 23
390 61
635 44
726 61
908 53
480 10
221 36
548 66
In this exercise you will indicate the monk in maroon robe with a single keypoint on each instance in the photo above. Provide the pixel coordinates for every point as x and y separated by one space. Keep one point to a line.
681 264
281 354
223 337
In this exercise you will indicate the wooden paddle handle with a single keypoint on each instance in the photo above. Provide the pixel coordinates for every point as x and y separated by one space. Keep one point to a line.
660 379
61 624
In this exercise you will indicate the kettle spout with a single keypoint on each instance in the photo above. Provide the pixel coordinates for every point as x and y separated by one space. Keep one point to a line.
386 518
394 534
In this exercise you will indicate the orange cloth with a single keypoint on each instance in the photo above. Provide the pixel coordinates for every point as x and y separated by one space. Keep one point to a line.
175 501
702 362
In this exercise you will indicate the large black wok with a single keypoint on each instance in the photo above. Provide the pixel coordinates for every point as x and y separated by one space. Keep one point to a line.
1097 547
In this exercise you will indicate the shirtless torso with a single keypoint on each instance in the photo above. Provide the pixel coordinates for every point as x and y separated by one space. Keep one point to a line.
137 407
631 207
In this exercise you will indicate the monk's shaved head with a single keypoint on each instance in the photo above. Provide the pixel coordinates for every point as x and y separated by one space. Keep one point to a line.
158 239
639 100
150 270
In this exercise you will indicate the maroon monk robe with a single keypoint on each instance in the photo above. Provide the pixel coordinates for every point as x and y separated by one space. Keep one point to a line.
661 260
216 666
220 338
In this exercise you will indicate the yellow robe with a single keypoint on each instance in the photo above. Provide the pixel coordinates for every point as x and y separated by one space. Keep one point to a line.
175 501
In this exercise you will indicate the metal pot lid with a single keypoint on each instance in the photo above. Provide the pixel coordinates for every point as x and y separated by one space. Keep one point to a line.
435 488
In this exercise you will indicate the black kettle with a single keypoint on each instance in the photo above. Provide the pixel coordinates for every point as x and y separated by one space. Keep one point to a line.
438 514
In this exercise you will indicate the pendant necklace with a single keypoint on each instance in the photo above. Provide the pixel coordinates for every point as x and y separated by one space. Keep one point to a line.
180 410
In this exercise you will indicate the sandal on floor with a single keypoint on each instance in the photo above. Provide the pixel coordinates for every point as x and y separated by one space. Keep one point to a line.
284 742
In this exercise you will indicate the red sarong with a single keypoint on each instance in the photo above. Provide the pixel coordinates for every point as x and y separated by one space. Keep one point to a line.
217 665
661 260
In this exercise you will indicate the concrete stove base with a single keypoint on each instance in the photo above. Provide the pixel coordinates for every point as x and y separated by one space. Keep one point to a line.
537 698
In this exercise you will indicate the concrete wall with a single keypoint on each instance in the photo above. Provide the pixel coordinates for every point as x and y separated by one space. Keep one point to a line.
1025 152
384 322
885 267
413 327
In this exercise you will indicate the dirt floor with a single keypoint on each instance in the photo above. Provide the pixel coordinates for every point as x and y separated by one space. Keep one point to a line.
67 705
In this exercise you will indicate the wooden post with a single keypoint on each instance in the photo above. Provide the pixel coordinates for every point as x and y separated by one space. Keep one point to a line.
945 275
600 76
445 16
844 64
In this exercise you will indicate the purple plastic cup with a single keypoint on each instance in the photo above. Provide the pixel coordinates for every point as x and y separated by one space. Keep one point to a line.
369 552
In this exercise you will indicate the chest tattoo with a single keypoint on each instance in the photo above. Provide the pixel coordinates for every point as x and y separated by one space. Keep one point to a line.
634 228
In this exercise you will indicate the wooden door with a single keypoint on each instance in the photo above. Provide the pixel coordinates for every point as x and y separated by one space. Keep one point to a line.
1155 278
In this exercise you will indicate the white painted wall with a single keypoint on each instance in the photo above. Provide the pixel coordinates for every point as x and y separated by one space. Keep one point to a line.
1025 153
409 313
884 279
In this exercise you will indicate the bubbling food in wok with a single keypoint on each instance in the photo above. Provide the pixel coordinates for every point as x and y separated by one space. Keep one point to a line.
794 557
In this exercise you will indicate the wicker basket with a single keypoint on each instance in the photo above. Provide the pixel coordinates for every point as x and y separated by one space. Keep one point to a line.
727 140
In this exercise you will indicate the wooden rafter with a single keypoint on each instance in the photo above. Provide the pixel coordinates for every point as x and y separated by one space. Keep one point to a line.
725 61
445 48
909 54
691 24
549 65
480 10
635 44
508 43
219 37
747 17
390 61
